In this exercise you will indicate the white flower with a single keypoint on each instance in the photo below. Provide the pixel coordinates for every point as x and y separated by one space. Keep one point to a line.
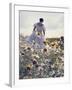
40 68
35 55
62 58
32 49
42 64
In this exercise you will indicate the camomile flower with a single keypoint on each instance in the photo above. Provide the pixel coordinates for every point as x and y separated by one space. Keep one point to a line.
42 64
35 55
40 68
22 46
27 48
29 66
44 50
38 33
34 62
32 49
45 43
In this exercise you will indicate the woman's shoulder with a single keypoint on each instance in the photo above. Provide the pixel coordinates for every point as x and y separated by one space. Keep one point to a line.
38 24
35 24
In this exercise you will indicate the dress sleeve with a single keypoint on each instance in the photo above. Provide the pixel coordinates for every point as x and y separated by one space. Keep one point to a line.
35 25
44 29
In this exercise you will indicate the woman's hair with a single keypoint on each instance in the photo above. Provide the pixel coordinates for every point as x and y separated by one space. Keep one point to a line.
41 19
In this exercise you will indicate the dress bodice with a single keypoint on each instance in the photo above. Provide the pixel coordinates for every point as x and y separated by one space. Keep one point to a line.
39 27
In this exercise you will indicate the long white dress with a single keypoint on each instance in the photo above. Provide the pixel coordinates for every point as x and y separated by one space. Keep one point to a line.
37 36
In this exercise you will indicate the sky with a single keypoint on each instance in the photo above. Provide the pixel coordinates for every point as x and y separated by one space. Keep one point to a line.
53 21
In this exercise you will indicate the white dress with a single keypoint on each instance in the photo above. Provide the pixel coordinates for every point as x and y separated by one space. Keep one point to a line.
37 36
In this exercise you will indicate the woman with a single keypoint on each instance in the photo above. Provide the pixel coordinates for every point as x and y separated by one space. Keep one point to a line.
38 33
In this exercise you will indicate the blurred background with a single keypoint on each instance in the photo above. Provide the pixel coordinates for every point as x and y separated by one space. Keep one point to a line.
53 21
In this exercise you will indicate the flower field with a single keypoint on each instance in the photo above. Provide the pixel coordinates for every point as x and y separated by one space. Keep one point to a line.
41 63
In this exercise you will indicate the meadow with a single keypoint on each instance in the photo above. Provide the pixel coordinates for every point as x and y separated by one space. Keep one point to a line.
47 62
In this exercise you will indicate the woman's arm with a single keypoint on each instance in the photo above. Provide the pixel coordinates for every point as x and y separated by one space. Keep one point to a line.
34 28
44 30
